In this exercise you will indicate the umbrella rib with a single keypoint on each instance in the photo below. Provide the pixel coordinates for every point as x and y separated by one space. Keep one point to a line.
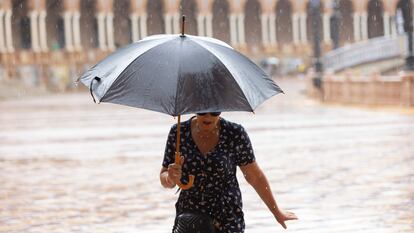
178 79
198 44
277 88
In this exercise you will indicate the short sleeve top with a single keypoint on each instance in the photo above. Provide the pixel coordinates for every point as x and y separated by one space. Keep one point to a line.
216 190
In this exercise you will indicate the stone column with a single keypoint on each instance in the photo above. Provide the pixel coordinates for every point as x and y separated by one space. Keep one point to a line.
200 25
143 22
101 31
264 19
2 36
9 33
327 28
393 27
43 33
233 29
357 27
242 41
138 27
134 27
364 25
209 25
167 19
34 31
295 28
68 30
110 31
303 28
76 31
177 23
272 25
386 19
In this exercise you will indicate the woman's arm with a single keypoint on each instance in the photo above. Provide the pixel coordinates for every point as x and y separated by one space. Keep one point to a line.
256 178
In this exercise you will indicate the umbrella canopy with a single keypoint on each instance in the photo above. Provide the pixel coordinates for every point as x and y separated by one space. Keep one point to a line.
180 74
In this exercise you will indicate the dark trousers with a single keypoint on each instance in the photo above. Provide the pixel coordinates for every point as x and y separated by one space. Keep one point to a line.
192 222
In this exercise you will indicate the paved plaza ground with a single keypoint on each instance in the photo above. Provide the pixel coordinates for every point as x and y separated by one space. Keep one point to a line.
68 165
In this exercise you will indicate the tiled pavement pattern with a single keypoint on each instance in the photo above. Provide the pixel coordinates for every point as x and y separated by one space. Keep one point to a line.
67 165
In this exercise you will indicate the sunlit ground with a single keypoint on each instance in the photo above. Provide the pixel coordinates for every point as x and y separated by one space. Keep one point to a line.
68 165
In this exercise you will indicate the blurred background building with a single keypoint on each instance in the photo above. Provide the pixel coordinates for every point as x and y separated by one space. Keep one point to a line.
53 41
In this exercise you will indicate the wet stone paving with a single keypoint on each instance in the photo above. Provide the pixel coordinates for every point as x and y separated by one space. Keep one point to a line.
68 165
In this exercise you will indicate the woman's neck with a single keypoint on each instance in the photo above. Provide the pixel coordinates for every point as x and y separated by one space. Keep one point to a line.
206 133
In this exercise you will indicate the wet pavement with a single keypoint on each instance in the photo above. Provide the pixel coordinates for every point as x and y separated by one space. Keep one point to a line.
68 165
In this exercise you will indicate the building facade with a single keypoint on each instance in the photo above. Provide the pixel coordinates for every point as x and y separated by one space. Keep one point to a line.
81 32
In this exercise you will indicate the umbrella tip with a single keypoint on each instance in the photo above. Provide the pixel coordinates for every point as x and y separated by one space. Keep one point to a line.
182 25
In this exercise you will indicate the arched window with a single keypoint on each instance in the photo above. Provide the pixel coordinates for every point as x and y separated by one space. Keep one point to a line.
284 22
155 17
21 25
375 19
310 22
55 24
252 24
89 24
189 9
221 24
122 23
346 33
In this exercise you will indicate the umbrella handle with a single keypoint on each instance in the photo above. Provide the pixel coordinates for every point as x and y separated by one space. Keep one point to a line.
191 177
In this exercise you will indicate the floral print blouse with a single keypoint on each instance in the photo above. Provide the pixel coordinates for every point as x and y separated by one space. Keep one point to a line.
216 190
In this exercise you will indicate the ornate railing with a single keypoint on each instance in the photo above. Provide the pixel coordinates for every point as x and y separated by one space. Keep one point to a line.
380 48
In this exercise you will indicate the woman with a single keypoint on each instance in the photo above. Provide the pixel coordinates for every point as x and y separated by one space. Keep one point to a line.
212 148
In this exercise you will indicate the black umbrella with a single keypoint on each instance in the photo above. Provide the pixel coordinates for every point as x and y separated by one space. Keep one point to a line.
180 74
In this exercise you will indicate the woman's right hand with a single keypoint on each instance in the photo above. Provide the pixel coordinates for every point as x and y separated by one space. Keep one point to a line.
175 172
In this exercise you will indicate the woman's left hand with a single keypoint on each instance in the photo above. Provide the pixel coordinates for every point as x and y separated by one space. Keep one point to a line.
283 216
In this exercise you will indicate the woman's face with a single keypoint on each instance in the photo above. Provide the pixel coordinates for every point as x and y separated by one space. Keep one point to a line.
207 121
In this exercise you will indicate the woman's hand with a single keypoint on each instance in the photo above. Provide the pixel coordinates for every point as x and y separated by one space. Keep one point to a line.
256 178
283 216
175 172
